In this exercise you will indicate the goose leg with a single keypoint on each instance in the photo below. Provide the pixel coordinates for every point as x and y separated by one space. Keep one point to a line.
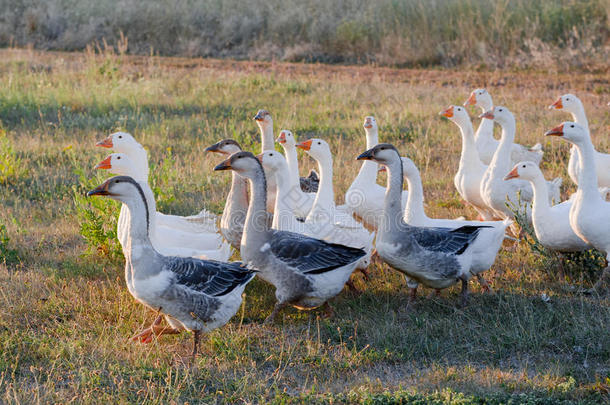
196 336
276 309
464 293
155 329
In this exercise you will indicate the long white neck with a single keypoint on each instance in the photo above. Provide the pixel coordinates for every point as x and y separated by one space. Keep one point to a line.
587 180
414 211
139 158
292 161
324 203
579 116
256 228
486 127
540 206
392 210
284 203
267 137
470 155
368 170
500 163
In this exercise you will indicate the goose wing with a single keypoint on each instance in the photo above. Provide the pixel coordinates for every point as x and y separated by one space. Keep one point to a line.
208 276
446 240
310 255
310 183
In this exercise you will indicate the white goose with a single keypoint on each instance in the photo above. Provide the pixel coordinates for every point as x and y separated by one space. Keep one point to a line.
168 241
494 189
572 104
284 218
590 214
484 137
123 142
307 184
551 223
365 197
484 249
302 201
471 170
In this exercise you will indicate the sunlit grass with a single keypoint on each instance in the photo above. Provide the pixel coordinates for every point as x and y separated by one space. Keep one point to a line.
66 318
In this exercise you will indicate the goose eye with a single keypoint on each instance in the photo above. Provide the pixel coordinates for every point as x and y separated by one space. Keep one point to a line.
319 143
571 126
118 158
120 136
568 99
500 109
271 154
523 166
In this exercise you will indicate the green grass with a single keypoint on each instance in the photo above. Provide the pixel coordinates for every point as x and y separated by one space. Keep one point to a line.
66 316
483 33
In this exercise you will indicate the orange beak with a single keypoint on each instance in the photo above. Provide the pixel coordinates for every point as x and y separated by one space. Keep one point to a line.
487 114
281 138
368 124
472 100
106 143
447 112
558 105
513 174
104 164
305 145
557 131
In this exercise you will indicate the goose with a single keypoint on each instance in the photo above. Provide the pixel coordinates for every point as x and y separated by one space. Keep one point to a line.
306 272
494 189
434 257
590 213
551 223
324 209
471 170
124 142
303 201
308 184
364 196
484 249
192 294
572 104
236 205
265 124
168 241
484 137
284 218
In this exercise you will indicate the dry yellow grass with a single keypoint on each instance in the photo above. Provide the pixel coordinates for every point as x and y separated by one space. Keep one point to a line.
65 318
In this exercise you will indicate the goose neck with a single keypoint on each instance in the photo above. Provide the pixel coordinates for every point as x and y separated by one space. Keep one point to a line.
324 202
470 155
579 116
267 137
284 203
415 201
292 161
392 212
540 204
138 244
587 180
256 227
501 159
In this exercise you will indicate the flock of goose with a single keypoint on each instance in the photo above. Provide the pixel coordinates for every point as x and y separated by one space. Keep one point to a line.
290 232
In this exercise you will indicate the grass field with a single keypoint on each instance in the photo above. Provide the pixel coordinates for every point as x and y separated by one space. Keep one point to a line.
66 316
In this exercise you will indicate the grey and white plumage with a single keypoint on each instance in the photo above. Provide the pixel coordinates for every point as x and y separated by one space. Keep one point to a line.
305 271
310 183
434 257
193 294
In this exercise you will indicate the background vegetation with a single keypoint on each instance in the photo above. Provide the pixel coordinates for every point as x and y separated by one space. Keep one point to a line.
66 315
486 33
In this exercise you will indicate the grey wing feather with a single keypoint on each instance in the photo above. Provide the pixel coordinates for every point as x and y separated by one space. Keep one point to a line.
208 276
310 183
310 255
446 240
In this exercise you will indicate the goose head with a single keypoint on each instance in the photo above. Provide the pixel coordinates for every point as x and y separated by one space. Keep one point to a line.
243 163
370 124
118 163
120 142
120 188
272 161
570 131
225 147
567 102
286 138
408 167
383 153
316 148
456 114
500 114
524 170
263 119
480 98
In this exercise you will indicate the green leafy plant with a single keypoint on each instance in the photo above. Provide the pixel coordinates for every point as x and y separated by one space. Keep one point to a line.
11 167
7 255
